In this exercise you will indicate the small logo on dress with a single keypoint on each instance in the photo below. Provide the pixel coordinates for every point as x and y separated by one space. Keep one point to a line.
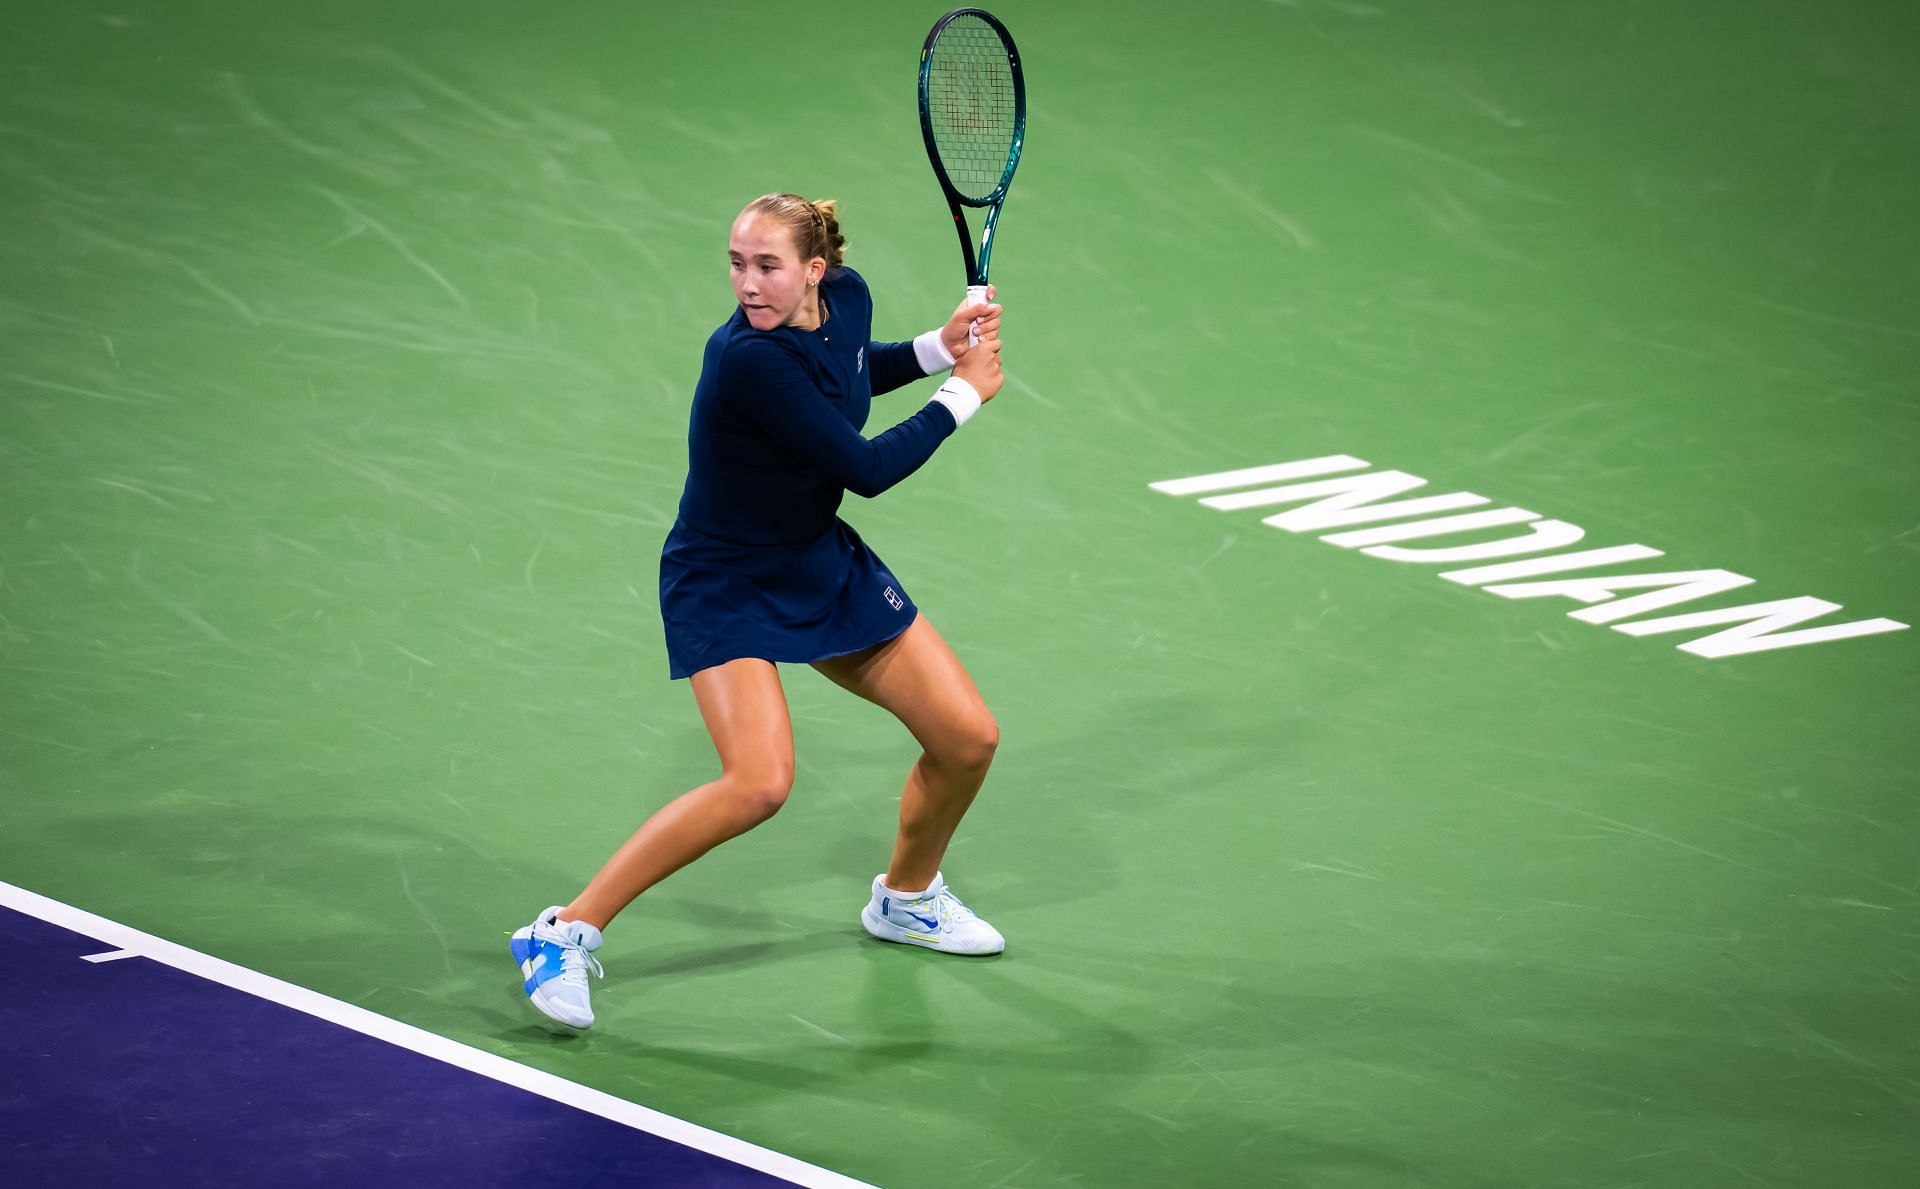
859 359
894 600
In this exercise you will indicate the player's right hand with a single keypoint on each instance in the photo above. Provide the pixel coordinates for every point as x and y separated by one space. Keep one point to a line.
980 367
969 324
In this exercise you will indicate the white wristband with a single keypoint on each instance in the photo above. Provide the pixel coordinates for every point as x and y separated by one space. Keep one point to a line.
932 353
961 399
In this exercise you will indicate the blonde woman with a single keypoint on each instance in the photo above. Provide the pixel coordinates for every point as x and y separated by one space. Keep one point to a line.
759 571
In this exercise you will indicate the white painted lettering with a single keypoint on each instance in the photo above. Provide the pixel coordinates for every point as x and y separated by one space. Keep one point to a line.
1249 476
1760 625
1540 535
1430 528
1559 563
1346 492
1357 499
1678 587
1348 500
1682 588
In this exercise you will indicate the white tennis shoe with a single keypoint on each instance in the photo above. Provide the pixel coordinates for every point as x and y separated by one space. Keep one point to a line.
554 957
934 918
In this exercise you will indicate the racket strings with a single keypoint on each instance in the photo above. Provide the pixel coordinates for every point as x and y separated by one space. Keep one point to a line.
971 105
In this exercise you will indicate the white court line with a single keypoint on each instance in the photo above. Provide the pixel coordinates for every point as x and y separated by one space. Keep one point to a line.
418 1040
110 956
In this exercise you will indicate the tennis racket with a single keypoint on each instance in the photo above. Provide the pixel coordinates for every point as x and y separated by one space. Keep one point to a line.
973 114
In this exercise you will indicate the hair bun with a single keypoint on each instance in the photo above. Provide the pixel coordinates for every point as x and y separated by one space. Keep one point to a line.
815 226
828 210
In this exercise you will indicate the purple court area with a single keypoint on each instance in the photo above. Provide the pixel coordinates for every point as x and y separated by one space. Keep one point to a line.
133 1073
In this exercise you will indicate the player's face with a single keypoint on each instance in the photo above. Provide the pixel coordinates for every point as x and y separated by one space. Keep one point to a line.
769 279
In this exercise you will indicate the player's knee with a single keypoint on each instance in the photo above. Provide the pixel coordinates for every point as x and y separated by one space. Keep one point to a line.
758 795
972 744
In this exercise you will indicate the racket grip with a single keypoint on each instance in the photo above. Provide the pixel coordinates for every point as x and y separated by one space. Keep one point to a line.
975 295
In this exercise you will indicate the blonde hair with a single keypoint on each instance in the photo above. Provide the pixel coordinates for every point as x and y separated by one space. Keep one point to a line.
815 230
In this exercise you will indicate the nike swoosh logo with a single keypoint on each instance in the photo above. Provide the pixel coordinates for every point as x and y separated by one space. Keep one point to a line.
925 922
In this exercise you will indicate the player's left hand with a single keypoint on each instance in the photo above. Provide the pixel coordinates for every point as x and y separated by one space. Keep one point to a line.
982 319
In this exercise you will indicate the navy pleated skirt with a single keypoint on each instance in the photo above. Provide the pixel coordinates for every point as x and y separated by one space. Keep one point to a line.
721 601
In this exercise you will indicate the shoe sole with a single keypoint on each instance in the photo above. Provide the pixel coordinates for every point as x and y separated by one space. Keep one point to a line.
885 931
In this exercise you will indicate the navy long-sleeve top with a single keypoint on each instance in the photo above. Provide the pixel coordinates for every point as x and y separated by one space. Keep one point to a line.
775 439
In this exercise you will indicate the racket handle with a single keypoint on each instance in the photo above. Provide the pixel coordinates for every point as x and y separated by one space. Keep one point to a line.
975 295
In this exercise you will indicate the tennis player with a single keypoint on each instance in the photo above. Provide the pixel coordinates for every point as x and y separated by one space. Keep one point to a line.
759 570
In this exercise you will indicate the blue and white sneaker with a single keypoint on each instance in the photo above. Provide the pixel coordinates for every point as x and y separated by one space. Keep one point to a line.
554 957
934 918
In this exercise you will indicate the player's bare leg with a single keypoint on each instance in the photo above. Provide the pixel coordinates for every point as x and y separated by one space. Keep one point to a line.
918 679
746 713
745 710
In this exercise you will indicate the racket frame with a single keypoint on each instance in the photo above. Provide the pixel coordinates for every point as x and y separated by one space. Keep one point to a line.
956 201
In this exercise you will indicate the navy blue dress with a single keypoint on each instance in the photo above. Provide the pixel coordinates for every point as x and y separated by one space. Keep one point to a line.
759 563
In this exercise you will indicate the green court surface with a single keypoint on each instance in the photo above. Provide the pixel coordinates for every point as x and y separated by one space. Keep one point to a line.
347 356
